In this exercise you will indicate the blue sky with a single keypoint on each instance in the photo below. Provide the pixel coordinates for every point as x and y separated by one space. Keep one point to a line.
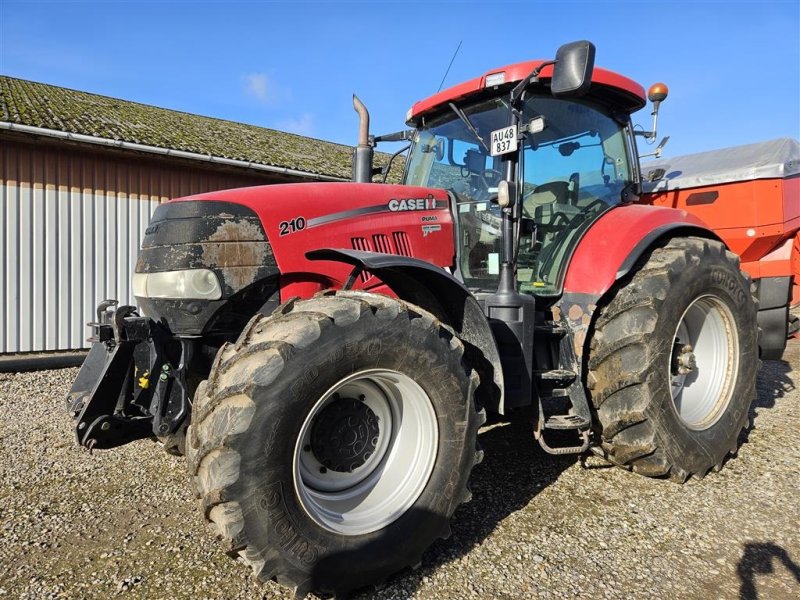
733 67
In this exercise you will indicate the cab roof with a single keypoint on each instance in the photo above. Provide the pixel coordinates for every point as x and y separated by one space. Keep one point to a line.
622 92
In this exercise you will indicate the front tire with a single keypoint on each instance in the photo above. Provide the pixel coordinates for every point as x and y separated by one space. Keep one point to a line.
673 362
332 444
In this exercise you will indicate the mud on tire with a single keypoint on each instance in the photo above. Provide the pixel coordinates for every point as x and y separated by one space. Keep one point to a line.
285 423
686 319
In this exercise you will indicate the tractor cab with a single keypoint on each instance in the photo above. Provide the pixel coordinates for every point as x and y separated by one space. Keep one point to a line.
566 150
576 167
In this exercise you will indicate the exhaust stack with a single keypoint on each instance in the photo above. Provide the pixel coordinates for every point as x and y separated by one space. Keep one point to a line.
362 155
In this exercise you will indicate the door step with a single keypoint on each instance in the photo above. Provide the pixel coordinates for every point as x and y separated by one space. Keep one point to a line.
563 376
566 422
568 418
580 425
559 450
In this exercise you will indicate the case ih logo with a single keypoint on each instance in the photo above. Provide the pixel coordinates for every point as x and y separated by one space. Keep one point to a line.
396 204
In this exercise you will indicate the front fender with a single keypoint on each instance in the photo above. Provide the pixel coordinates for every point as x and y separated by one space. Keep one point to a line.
438 292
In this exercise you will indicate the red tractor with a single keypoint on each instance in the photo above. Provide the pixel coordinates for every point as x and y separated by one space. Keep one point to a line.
324 354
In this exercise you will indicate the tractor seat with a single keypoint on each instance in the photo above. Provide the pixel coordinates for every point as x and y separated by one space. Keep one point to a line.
554 192
550 205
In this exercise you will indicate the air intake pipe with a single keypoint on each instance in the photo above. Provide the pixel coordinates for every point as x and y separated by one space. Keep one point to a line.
362 155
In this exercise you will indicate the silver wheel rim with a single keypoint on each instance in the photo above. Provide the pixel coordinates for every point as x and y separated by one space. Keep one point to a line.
365 452
704 362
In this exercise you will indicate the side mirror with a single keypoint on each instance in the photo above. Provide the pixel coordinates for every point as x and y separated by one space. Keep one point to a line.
438 150
572 74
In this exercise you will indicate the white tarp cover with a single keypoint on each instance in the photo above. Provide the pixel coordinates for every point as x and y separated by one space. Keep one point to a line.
765 160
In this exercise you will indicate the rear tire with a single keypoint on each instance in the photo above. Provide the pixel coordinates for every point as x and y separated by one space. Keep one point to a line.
332 443
673 362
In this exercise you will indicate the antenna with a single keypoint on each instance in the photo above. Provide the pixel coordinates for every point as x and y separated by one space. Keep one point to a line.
448 66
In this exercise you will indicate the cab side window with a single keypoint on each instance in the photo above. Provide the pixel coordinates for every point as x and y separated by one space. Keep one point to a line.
573 170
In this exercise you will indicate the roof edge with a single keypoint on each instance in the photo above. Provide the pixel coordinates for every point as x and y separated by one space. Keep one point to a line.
98 141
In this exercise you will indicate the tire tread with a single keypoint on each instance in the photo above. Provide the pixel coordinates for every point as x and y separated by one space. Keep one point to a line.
224 406
628 438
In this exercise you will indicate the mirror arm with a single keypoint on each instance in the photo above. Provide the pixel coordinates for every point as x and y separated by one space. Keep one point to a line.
399 136
659 149
516 93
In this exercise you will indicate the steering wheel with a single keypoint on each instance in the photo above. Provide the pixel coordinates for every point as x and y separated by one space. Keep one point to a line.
484 194
558 221
591 205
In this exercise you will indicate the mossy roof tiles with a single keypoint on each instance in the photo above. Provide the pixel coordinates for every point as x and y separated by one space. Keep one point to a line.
51 107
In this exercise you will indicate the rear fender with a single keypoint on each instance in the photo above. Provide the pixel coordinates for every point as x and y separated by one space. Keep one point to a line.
610 250
611 247
438 292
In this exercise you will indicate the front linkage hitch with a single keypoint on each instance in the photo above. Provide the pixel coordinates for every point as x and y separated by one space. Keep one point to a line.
132 384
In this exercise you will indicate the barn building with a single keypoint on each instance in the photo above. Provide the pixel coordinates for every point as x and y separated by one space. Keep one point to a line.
80 175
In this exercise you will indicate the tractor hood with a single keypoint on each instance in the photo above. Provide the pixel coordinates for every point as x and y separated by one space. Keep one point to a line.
248 235
392 219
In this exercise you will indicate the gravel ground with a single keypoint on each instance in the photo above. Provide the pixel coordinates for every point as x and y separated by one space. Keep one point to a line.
123 522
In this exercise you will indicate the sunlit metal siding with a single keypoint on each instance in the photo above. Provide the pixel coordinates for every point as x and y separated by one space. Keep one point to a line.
71 221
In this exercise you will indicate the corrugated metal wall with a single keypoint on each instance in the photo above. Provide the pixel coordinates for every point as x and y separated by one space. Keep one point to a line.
71 222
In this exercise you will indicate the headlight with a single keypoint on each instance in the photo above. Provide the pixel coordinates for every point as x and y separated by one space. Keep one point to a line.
194 284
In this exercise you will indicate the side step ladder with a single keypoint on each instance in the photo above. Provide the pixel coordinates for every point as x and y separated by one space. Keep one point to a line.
564 385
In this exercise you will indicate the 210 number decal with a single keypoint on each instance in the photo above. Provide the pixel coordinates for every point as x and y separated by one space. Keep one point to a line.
292 226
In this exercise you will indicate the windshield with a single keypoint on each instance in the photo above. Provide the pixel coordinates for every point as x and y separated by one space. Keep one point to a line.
570 172
446 154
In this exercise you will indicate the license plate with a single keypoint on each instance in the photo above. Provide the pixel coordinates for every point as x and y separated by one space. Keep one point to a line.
504 140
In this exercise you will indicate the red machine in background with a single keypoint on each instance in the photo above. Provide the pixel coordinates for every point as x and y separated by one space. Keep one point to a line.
750 197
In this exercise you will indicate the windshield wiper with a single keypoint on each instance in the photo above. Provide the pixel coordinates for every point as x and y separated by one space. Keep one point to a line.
460 114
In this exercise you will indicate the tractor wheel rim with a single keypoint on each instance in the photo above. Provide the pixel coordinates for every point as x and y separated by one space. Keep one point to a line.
359 468
704 362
